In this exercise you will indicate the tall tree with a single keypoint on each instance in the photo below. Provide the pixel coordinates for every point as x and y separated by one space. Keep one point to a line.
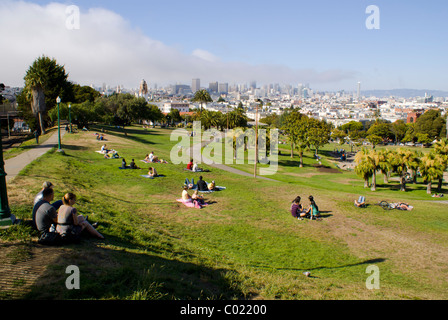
400 161
44 81
202 96
441 148
431 167
363 166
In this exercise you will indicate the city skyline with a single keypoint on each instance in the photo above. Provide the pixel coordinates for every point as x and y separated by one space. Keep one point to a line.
322 43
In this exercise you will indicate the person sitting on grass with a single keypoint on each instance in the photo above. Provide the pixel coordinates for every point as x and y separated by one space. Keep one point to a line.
211 186
185 195
132 165
123 164
104 149
38 201
70 224
190 165
196 168
313 210
46 218
296 208
361 202
200 199
152 172
202 185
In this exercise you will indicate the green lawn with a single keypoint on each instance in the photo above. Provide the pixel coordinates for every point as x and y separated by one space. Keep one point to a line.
244 245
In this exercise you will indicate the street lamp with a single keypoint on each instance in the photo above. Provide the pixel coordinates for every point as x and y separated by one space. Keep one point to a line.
58 101
6 218
70 117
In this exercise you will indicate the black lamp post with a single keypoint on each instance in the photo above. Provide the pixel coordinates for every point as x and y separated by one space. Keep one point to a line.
6 218
58 101
70 117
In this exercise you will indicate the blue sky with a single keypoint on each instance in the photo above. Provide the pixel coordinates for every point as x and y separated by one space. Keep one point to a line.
329 39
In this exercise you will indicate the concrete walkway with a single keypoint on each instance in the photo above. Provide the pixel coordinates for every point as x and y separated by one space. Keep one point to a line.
196 155
14 165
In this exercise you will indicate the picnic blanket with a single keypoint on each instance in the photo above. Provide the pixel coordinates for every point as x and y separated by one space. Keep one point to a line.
149 177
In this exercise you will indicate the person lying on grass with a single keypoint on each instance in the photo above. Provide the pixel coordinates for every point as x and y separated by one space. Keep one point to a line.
361 202
401 206
69 222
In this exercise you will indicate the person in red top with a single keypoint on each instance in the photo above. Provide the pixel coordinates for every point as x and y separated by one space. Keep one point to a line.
190 165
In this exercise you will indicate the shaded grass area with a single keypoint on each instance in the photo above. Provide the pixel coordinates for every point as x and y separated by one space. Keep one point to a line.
245 245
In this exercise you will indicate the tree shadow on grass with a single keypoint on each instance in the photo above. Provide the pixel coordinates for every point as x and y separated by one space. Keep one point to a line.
367 262
132 134
120 274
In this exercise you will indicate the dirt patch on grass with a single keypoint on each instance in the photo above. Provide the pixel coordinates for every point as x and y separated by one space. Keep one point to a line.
326 169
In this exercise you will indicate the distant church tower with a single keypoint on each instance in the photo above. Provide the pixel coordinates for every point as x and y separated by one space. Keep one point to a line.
143 91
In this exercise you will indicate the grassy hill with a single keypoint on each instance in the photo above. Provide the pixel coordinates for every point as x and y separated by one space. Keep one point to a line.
244 245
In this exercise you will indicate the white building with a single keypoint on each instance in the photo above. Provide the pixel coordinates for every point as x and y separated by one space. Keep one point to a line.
181 106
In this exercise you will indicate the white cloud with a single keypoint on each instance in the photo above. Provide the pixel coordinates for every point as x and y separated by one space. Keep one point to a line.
106 48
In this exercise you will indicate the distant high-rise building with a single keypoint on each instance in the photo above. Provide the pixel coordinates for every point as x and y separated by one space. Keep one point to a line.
195 85
223 88
359 91
213 86
253 85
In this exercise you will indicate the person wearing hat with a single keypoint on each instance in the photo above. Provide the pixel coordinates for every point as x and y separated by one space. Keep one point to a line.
38 201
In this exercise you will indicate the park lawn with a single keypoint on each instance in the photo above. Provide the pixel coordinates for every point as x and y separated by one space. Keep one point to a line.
245 245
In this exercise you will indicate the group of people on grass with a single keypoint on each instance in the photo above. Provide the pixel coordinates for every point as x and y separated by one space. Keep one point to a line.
201 185
151 158
193 166
59 221
300 213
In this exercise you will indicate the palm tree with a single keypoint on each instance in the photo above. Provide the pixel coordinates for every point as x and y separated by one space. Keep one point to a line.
441 148
400 161
364 167
35 82
202 96
374 161
384 164
431 167
414 163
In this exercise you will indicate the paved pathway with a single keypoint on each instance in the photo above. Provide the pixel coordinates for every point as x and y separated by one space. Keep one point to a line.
14 165
196 155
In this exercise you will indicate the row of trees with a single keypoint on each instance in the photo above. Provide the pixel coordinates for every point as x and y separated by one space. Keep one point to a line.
304 133
428 127
405 163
